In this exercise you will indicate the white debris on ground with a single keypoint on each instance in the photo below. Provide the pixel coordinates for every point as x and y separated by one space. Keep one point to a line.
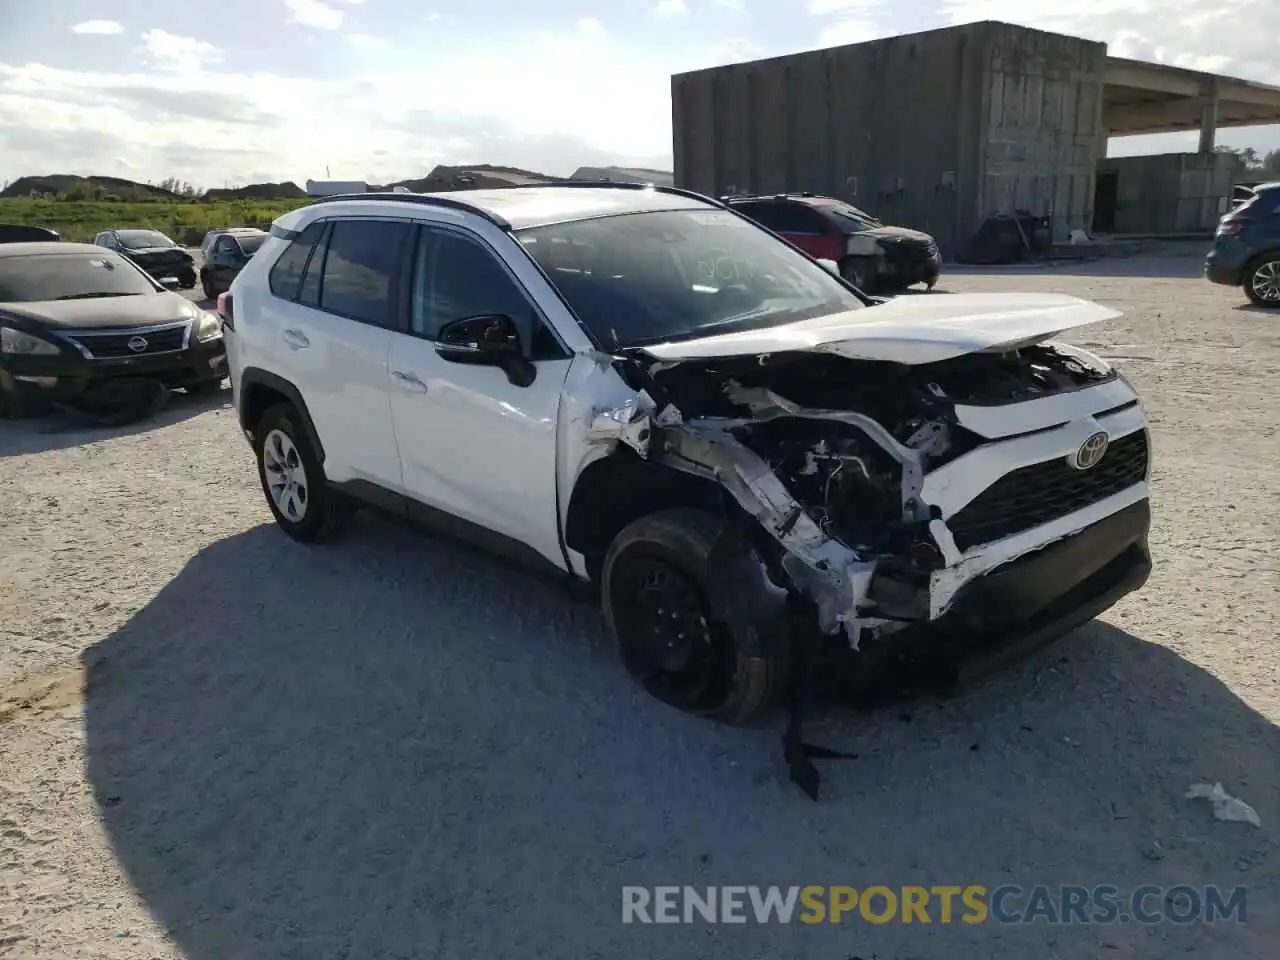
1225 806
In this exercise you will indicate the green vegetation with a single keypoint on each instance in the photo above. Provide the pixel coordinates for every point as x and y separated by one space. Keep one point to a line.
186 222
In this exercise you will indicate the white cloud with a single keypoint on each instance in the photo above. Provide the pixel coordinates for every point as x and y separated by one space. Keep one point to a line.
317 13
173 52
99 28
736 6
847 21
397 117
669 8
1236 37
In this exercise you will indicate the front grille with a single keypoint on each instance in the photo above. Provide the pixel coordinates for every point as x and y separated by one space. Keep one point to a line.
1046 491
104 346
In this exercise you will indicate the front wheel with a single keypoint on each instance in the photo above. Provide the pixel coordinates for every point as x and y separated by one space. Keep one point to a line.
293 479
861 272
187 280
210 291
1262 280
653 585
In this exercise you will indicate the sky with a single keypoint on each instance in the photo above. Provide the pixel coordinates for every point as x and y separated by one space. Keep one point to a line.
242 91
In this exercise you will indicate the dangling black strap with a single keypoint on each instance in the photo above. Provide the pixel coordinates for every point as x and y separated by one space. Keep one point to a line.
799 755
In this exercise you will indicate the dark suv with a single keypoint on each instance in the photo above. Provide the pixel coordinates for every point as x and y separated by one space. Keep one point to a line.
872 256
153 252
1246 248
225 252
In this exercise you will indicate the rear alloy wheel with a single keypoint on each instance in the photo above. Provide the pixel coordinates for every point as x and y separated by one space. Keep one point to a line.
1262 281
293 479
660 623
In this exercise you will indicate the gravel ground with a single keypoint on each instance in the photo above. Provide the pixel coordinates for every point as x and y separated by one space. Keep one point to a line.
218 744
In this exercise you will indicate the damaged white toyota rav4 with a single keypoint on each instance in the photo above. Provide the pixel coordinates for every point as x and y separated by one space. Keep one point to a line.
760 468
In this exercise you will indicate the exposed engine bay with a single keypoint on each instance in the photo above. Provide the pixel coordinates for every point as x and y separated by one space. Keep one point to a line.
829 455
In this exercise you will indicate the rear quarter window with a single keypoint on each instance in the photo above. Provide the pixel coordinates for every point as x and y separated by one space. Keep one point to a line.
286 273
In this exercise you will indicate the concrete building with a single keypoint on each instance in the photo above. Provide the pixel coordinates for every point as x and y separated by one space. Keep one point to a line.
943 129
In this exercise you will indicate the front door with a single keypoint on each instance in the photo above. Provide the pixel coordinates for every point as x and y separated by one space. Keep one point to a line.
472 443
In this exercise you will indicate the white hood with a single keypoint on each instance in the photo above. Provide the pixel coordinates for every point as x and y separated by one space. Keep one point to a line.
923 328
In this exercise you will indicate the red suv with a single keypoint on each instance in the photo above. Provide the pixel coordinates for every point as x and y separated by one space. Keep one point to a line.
872 256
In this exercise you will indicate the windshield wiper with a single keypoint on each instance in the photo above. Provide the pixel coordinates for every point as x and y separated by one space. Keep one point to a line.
94 295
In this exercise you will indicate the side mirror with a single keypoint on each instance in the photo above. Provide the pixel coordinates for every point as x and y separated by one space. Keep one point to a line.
831 266
487 340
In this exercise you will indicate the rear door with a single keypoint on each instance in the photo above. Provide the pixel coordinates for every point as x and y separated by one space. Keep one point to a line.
333 331
800 224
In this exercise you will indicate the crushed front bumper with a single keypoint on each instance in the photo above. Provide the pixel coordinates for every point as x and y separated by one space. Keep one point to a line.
1015 609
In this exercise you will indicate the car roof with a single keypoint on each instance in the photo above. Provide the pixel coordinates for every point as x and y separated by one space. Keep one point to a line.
535 205
29 248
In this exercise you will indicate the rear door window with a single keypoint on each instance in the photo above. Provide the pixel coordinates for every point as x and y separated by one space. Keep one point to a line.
361 269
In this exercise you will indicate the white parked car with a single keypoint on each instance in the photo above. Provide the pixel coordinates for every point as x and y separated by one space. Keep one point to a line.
642 389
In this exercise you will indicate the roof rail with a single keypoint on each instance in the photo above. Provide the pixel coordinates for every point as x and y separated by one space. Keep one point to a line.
614 185
423 199
456 203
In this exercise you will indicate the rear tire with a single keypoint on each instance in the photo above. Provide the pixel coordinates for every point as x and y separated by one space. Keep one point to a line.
1262 280
653 587
293 480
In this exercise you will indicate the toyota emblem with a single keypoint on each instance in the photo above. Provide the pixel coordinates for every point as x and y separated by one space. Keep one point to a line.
1091 452
138 344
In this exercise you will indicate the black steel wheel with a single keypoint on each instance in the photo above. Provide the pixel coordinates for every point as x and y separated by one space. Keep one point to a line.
661 624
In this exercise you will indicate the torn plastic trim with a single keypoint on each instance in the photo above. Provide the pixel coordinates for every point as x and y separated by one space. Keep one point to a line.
831 574
946 583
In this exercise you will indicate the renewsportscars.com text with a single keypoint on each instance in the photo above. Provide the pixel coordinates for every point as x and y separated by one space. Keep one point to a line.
971 904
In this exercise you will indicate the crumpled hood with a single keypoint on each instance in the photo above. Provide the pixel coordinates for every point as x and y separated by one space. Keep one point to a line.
908 329
138 311
898 233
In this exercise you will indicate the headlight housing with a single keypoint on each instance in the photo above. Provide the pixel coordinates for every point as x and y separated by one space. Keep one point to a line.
208 326
18 343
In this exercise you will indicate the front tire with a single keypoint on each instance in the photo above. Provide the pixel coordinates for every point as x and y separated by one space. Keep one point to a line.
293 480
204 388
210 291
187 281
653 586
1262 280
861 272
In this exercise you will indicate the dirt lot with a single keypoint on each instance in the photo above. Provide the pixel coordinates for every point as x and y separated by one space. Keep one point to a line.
217 744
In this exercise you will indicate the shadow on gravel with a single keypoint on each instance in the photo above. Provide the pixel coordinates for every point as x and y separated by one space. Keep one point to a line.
1138 268
395 748
59 430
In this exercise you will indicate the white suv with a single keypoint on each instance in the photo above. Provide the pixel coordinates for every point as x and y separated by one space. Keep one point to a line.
640 388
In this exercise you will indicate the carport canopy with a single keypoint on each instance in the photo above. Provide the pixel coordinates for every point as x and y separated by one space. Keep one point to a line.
1141 97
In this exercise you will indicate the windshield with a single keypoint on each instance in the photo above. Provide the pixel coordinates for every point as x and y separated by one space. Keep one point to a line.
250 244
141 239
40 277
644 278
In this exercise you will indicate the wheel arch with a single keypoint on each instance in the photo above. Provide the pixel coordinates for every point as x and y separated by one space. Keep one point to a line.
622 487
260 390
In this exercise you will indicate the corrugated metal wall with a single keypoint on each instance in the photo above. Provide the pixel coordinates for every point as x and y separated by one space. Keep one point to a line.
934 130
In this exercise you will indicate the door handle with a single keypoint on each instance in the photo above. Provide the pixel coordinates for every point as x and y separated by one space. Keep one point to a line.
408 381
296 339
